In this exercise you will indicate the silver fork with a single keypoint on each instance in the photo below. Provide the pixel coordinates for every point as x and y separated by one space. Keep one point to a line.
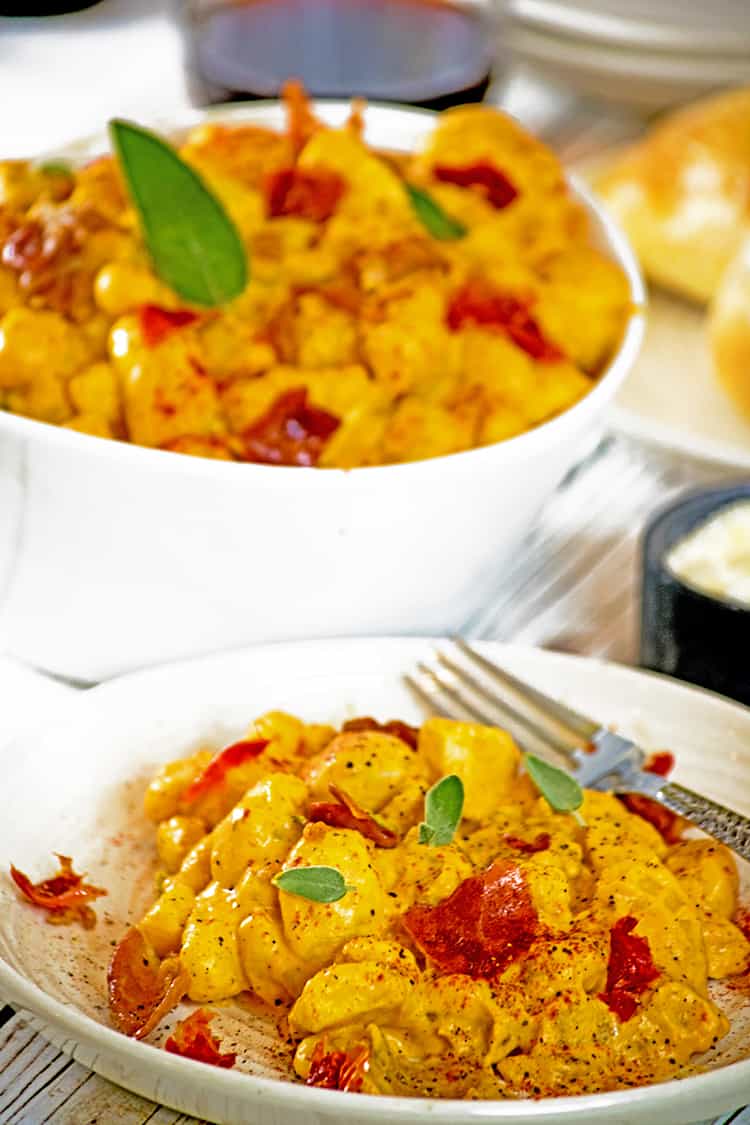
462 679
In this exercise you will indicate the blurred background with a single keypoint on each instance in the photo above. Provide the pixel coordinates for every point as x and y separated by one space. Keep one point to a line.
65 67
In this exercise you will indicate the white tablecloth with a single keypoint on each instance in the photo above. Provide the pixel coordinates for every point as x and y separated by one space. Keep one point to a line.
64 76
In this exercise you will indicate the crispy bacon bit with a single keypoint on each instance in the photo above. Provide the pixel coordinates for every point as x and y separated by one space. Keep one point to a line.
65 896
301 121
291 433
141 991
193 1039
667 824
493 184
346 813
216 770
661 763
406 733
630 970
309 193
486 923
157 323
336 1070
479 304
529 847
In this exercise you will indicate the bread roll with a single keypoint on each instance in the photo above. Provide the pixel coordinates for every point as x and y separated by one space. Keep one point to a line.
682 194
729 326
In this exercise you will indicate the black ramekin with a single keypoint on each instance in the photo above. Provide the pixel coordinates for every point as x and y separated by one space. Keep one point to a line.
692 635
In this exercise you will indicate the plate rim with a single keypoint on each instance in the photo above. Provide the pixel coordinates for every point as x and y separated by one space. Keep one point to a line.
72 1030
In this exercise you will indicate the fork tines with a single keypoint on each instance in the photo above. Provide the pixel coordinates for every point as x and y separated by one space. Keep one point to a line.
461 681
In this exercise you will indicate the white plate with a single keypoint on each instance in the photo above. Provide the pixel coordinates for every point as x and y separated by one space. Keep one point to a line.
77 789
673 398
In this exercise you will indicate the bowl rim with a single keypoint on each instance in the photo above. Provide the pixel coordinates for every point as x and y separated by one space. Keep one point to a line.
335 112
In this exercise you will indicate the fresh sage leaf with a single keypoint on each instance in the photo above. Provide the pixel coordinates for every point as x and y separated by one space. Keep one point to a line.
194 245
443 806
433 217
319 884
55 168
561 791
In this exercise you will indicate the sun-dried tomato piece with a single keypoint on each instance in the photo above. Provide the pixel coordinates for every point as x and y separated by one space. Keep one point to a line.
216 770
346 813
529 847
336 1070
479 304
308 193
291 432
486 923
630 969
668 824
396 727
65 896
661 763
193 1039
157 323
493 184
140 990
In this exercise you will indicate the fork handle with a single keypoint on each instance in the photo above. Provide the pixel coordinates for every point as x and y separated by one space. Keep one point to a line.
730 827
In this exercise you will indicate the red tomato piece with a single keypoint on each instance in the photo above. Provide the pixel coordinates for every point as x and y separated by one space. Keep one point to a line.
309 193
157 323
406 733
336 1070
661 763
193 1039
65 896
488 921
479 304
291 432
493 184
529 847
630 970
216 770
667 824
140 991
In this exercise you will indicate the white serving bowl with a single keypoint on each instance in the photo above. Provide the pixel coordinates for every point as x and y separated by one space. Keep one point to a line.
113 556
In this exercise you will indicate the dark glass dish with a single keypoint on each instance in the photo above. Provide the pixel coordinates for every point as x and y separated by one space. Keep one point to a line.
687 633
40 8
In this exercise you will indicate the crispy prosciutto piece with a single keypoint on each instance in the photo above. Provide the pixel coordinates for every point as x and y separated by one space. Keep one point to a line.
141 990
336 1070
406 733
193 1039
529 847
308 193
493 184
291 432
661 763
630 970
157 324
477 303
216 770
65 896
344 812
486 923
667 824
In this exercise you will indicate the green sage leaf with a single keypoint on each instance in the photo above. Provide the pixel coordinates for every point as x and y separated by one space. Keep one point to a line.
194 245
433 217
561 791
443 806
319 884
